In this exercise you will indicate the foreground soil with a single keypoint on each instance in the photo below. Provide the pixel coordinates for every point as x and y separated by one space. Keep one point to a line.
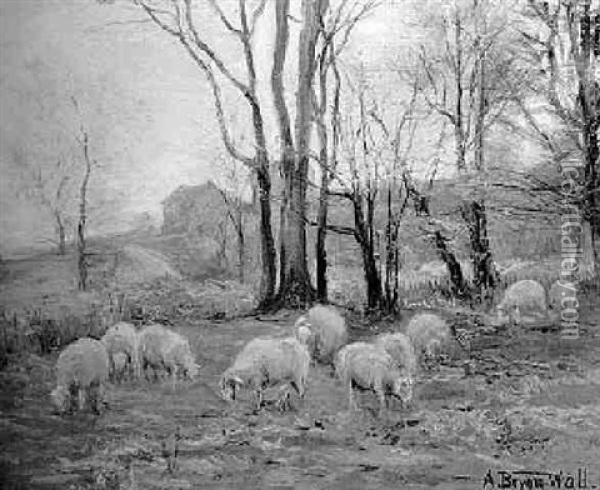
526 402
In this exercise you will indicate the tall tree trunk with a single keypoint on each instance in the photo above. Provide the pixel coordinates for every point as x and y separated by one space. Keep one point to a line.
459 132
81 244
295 289
268 254
241 245
320 247
588 99
372 276
62 235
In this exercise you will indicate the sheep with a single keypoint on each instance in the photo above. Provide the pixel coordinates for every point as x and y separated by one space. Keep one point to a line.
428 333
163 349
400 348
122 338
81 371
370 367
264 363
328 329
525 296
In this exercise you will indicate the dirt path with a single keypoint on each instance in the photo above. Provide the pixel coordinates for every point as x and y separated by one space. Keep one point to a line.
503 417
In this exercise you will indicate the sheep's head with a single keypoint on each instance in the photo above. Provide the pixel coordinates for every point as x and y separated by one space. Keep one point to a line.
302 321
403 388
229 386
303 333
61 399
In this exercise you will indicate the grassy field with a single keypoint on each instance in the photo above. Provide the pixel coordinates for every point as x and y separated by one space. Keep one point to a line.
519 400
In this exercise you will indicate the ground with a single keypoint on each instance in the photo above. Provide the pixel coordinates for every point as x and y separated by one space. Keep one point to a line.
532 415
521 400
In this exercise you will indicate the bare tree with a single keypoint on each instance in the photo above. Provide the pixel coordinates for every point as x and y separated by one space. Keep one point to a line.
232 185
336 28
562 40
51 189
462 82
183 21
83 140
376 152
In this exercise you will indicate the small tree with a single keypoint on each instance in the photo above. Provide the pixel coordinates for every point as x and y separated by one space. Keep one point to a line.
562 41
51 189
232 185
83 140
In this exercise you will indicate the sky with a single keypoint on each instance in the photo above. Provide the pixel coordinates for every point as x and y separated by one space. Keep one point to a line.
147 110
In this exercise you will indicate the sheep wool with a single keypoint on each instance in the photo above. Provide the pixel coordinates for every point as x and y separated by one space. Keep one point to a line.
267 362
164 350
428 333
82 368
370 367
525 296
329 330
122 338
400 348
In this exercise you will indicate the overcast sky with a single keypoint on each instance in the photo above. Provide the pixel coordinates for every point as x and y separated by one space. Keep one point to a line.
148 112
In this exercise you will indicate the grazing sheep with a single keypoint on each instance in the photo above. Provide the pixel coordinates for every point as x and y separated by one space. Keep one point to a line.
428 333
369 367
400 348
267 362
558 292
522 297
328 329
122 338
81 371
165 350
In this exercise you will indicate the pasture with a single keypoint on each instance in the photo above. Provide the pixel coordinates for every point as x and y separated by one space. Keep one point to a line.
520 399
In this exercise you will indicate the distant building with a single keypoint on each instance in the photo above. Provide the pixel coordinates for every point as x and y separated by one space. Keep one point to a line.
190 208
196 209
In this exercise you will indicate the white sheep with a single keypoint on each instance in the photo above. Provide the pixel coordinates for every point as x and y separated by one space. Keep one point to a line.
400 348
122 338
264 363
164 350
81 372
369 367
328 329
428 333
522 297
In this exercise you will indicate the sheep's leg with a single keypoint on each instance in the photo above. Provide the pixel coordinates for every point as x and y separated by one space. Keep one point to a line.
284 399
258 398
351 399
300 386
382 398
81 396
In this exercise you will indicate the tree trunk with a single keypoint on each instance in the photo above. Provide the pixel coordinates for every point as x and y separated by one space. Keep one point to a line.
372 276
484 273
268 254
82 265
456 276
320 247
295 288
241 245
62 235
